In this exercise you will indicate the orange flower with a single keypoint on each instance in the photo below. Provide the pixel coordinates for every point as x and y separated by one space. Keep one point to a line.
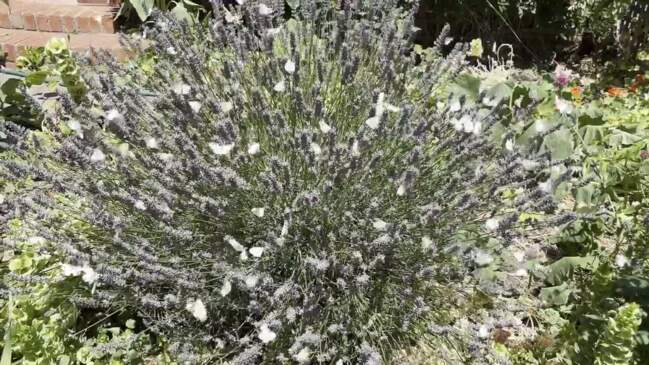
576 91
617 92
640 79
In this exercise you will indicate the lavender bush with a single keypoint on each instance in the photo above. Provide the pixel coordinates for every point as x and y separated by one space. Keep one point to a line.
296 191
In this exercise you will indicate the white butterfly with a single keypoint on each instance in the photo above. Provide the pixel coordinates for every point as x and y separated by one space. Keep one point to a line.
197 309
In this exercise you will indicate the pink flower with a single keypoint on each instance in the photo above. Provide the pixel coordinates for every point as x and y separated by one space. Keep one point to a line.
562 76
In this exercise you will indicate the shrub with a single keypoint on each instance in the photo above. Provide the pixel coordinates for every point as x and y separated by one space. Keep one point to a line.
293 193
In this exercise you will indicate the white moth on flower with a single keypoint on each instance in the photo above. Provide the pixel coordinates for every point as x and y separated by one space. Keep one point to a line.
482 258
483 332
232 18
140 205
546 186
88 275
221 149
256 251
197 309
226 288
171 51
373 122
253 148
477 128
290 67
455 105
315 148
264 10
195 106
324 127
151 143
97 155
304 356
401 191
251 281
492 224
621 261
426 243
76 126
355 149
380 225
266 335
114 115
509 145
259 212
182 89
467 124
226 106
280 86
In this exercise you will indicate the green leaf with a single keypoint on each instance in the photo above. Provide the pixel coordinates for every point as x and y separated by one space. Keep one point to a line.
556 295
563 269
619 138
10 86
36 78
181 12
293 4
6 351
560 144
143 8
633 288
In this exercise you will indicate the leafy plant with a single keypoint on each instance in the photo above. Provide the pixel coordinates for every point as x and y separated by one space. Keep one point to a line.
55 65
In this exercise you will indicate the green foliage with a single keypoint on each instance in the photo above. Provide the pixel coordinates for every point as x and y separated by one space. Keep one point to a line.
617 341
142 9
53 64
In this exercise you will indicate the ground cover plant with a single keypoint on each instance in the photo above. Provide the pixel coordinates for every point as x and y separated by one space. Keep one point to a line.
295 191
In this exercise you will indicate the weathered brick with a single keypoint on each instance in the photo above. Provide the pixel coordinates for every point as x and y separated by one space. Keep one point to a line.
4 20
29 22
69 23
16 21
107 24
43 22
84 22
56 25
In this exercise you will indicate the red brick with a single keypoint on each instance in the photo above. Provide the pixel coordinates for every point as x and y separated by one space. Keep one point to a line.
4 20
107 24
84 23
43 22
69 23
29 22
56 25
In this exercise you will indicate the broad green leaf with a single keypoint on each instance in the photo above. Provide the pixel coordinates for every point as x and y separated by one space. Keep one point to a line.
633 288
563 269
6 351
10 86
36 78
143 8
556 295
620 138
560 144
181 12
